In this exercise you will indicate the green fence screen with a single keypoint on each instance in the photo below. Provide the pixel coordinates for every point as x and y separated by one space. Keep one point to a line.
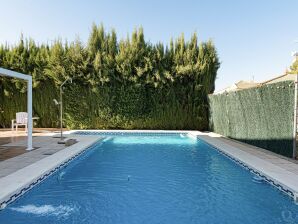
260 116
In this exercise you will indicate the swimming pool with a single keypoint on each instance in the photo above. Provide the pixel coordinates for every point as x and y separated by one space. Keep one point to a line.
136 178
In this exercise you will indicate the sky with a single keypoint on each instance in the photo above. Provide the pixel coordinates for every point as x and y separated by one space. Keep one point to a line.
254 38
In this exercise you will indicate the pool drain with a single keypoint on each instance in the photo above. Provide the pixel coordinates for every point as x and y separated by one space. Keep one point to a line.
60 176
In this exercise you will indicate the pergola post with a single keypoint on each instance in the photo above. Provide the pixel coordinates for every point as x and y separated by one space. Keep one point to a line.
29 111
27 78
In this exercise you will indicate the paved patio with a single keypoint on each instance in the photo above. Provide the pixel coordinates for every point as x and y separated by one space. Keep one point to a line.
13 153
13 143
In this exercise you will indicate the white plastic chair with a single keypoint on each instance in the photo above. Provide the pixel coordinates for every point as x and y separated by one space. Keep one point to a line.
21 120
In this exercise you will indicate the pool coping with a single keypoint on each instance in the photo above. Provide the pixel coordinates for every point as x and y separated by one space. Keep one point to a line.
132 131
16 184
280 178
275 175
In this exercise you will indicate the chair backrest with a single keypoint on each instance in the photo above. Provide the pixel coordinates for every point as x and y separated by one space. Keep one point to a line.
21 117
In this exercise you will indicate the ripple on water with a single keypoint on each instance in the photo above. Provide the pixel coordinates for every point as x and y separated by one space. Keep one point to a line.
46 210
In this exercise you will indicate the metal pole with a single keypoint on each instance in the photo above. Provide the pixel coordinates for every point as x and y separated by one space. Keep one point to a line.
29 111
295 118
61 109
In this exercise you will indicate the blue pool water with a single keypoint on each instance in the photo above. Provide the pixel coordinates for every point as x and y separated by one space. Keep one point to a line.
153 179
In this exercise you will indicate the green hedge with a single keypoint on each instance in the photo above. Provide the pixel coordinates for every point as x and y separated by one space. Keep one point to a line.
126 83
115 107
259 116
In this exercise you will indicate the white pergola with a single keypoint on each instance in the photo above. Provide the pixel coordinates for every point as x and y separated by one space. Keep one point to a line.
28 78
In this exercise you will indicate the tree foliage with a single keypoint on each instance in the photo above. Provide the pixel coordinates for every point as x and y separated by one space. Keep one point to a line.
128 83
294 67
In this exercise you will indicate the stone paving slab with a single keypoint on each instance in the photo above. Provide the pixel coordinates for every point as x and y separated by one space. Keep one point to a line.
46 145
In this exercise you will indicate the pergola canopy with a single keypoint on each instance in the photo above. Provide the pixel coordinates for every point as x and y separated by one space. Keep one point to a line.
28 78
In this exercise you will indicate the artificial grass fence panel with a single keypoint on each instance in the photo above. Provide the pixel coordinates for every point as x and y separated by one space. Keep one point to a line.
262 116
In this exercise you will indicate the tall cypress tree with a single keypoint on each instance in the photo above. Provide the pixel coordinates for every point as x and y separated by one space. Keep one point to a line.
134 83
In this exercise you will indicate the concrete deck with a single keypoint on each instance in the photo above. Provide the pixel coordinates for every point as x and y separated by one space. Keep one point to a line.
44 147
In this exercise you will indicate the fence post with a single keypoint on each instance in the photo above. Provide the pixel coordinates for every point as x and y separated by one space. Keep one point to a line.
295 118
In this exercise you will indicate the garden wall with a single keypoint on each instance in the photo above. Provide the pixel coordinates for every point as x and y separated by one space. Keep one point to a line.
260 116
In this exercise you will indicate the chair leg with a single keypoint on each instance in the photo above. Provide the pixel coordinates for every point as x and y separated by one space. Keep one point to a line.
17 127
12 124
26 128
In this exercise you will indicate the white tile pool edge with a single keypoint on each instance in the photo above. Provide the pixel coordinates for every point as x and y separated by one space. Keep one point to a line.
132 131
18 183
281 178
274 175
278 177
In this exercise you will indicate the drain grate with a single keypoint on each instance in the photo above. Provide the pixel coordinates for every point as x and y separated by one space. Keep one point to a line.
48 153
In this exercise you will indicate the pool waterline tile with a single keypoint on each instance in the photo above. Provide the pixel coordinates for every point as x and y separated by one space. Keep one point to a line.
260 161
246 156
16 184
275 173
